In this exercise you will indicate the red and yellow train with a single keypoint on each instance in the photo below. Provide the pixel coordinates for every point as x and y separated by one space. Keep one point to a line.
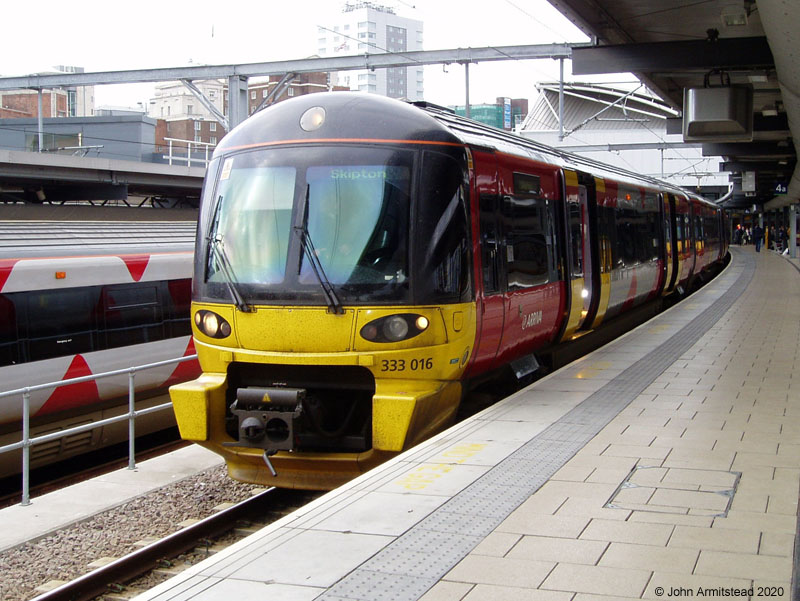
362 262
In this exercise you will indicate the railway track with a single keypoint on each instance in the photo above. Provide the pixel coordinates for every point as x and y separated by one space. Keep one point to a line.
115 580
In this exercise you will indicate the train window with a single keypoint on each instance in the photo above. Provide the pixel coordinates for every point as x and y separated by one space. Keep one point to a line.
60 322
443 249
357 220
180 293
525 225
132 315
489 244
626 236
9 339
575 238
607 233
253 218
526 184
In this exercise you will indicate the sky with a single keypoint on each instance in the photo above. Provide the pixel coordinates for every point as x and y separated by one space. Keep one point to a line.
112 35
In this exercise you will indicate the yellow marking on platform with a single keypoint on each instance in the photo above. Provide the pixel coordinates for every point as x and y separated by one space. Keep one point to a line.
592 370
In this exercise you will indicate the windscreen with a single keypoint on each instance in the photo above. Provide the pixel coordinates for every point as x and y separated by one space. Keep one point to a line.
349 206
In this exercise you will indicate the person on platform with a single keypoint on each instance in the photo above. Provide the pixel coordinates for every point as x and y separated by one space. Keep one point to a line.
783 238
758 236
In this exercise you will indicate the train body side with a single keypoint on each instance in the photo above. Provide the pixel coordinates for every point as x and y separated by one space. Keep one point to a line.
83 309
474 253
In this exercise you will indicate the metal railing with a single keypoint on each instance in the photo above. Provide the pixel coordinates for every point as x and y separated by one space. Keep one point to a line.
27 442
187 144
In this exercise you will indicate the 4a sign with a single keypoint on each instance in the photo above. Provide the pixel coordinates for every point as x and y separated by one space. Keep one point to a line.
781 188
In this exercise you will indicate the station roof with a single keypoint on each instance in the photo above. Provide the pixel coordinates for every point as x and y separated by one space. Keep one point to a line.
672 45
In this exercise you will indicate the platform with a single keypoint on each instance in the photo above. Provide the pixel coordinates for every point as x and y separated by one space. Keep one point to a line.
62 508
666 463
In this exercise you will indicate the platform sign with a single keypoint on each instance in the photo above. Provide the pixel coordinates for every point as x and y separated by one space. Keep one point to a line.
781 188
749 181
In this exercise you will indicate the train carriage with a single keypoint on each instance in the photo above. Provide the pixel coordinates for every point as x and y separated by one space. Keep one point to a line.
362 263
82 298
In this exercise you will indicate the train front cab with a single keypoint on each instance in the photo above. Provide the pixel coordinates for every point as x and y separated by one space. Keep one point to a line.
325 393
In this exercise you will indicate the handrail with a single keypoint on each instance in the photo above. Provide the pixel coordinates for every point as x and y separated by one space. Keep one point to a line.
188 158
27 442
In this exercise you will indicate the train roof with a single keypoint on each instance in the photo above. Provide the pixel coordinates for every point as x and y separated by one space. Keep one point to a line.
31 239
479 134
358 116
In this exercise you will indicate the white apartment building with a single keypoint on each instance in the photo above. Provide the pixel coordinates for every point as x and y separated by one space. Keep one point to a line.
371 28
174 101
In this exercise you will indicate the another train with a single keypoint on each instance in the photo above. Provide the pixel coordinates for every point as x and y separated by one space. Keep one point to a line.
362 262
81 298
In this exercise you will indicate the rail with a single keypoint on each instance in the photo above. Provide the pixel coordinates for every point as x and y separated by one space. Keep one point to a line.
187 144
27 442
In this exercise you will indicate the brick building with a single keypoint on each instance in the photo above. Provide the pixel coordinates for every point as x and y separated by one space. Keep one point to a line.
24 104
303 83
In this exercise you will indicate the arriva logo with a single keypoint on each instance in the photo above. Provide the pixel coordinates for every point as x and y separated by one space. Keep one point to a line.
531 319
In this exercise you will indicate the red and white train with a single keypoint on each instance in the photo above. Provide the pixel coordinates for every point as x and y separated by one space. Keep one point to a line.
81 298
363 263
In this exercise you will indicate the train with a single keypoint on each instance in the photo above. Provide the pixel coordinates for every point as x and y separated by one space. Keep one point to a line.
362 263
86 297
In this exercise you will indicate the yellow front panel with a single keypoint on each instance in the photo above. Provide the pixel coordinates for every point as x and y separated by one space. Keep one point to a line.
417 381
295 330
192 402
405 412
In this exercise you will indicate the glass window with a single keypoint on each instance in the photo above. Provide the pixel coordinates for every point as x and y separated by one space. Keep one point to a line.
180 293
132 315
574 215
254 223
442 262
9 351
60 322
489 243
525 228
357 219
353 204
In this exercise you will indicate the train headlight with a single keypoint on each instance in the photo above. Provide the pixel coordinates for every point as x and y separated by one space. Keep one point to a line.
212 325
313 118
394 328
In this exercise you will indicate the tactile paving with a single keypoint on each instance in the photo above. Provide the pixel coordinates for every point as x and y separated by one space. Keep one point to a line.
415 561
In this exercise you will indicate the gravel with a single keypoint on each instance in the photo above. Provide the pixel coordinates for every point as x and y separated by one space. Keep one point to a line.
67 553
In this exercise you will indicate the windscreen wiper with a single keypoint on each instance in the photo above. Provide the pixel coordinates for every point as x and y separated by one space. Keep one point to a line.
334 304
218 249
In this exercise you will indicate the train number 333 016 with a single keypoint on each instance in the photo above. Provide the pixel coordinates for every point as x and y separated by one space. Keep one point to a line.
402 364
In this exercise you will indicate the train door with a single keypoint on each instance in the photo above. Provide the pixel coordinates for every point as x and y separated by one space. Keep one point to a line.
578 254
684 242
699 237
490 296
533 290
670 241
594 289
